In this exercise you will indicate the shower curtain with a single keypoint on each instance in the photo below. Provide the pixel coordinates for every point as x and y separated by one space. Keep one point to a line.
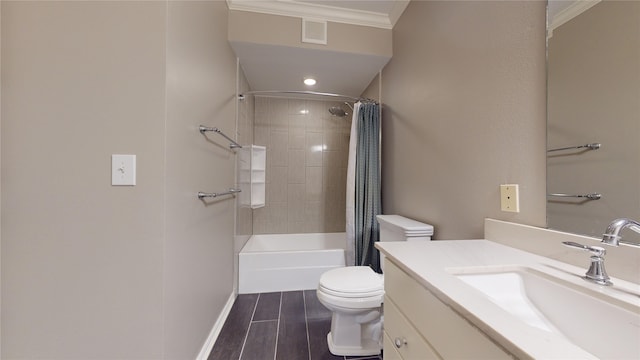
363 186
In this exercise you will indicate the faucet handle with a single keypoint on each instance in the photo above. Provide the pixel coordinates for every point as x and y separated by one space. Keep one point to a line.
595 250
596 272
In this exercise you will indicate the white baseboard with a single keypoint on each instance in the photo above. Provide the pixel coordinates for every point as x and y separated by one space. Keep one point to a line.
217 327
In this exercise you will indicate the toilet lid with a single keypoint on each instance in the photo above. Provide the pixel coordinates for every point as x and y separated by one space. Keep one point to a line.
352 281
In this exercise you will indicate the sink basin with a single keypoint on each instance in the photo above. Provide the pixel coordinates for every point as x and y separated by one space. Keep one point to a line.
602 325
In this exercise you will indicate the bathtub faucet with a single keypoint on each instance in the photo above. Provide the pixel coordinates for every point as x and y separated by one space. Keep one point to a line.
612 234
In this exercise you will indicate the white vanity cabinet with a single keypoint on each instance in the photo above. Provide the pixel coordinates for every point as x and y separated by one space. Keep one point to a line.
419 326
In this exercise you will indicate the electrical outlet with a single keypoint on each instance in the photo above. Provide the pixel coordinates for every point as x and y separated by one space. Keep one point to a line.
509 200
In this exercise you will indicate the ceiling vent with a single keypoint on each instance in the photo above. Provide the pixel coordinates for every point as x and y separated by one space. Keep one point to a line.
314 31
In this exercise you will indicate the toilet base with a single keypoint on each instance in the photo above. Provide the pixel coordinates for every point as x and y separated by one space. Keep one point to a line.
368 347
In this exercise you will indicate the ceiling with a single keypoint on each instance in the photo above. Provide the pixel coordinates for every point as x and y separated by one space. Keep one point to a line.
269 67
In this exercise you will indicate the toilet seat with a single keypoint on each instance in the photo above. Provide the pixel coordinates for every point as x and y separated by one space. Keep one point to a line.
350 304
353 282
351 295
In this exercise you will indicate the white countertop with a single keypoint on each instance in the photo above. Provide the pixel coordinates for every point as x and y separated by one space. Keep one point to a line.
433 263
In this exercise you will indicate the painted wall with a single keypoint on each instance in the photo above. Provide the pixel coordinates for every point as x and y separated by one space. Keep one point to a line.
464 111
82 260
374 90
199 238
0 181
277 30
95 271
91 270
595 102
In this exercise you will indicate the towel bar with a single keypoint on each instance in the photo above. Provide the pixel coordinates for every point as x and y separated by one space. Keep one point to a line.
231 191
594 196
592 146
233 144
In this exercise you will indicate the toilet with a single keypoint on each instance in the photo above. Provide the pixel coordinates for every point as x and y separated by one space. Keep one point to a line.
355 294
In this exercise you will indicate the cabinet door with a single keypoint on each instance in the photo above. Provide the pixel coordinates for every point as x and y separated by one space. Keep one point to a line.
451 335
410 344
390 352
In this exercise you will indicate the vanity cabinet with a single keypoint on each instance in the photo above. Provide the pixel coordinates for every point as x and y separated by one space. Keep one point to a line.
417 325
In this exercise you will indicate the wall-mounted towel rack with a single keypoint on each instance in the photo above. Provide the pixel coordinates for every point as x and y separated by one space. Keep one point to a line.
592 146
202 195
594 196
233 144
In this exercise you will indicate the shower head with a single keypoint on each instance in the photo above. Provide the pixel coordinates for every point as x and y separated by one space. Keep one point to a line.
337 111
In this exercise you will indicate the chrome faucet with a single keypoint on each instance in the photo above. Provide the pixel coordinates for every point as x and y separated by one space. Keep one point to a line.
596 272
612 234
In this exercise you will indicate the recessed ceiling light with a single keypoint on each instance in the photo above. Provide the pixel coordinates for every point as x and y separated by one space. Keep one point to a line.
309 81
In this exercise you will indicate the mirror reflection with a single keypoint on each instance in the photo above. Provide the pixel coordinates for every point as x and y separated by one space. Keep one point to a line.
593 98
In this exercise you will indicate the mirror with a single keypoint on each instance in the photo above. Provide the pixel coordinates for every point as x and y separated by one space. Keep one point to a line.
593 90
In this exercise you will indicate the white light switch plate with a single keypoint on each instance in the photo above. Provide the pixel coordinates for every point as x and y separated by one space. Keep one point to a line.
123 170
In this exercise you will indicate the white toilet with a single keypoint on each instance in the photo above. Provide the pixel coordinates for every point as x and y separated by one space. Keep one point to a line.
355 293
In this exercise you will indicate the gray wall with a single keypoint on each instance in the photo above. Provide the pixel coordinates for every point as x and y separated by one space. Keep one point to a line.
464 111
594 92
95 271
284 31
199 237
90 270
0 182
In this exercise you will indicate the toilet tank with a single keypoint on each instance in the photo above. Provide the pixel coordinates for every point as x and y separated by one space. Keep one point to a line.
400 228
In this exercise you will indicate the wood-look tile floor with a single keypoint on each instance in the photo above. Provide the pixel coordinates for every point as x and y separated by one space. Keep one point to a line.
289 325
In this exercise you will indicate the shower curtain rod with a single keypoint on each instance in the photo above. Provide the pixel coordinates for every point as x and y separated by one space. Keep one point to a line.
301 92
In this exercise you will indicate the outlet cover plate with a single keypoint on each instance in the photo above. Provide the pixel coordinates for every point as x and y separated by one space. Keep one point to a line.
509 199
123 170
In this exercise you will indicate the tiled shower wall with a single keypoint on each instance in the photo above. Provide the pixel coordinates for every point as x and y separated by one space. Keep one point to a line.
307 151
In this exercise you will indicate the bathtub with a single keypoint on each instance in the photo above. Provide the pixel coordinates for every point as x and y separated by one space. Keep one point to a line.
286 262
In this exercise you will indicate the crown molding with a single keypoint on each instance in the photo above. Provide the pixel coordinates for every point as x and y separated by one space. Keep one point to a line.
398 9
323 12
571 11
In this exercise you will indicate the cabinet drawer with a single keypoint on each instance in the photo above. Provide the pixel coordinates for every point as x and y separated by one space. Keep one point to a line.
397 327
452 336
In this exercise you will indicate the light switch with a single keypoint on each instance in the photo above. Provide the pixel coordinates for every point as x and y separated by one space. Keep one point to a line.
123 170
